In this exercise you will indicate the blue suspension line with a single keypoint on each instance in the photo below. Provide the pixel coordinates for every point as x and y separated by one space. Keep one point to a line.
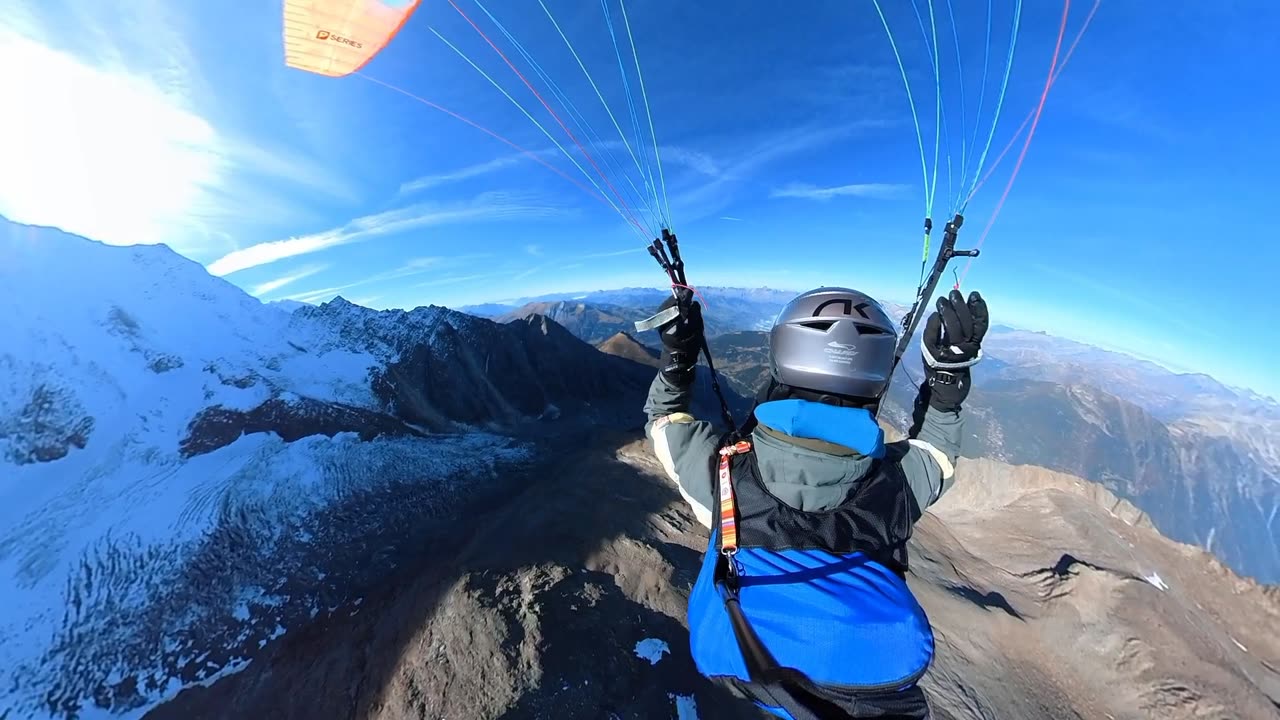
645 96
617 126
579 120
1004 85
631 106
915 118
537 124
932 46
982 96
964 143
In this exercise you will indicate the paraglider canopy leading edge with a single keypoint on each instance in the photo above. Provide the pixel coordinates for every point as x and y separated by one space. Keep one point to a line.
337 37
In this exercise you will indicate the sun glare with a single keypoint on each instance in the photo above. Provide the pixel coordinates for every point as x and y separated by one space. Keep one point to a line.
98 151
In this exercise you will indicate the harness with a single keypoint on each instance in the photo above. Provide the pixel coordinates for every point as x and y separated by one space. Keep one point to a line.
771 682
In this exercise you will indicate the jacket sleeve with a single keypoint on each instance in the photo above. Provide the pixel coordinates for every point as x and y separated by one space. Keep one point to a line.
684 445
933 448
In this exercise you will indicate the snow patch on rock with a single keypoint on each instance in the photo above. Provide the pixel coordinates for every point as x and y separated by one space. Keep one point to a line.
652 650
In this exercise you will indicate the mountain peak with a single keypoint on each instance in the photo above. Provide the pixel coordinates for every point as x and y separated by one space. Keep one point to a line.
622 344
546 326
338 301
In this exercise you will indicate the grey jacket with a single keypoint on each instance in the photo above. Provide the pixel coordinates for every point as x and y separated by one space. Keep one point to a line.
809 475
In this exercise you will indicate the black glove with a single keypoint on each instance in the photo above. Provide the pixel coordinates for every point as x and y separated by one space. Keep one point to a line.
952 344
682 338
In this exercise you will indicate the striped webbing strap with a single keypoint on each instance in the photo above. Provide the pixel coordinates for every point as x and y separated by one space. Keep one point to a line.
728 507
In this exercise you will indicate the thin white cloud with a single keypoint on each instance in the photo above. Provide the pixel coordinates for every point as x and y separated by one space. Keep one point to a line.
273 285
488 206
712 197
627 179
419 264
730 218
411 267
311 296
671 156
879 191
616 182
615 253
282 164
533 249
531 271
454 279
695 160
472 171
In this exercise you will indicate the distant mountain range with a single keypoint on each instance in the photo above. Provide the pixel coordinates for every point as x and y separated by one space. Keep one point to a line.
724 309
590 322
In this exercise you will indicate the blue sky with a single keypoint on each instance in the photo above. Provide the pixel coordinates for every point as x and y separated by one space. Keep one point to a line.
788 154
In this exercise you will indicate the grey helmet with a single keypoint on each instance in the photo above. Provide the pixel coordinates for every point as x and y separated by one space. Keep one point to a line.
834 341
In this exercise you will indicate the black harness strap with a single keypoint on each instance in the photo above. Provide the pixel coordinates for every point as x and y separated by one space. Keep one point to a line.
769 679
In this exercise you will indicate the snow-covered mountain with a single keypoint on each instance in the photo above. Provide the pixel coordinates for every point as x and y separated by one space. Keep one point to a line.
186 472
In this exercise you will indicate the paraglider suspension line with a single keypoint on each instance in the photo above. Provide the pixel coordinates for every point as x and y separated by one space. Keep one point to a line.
666 251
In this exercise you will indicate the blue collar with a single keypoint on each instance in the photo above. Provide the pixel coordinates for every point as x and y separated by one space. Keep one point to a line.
853 428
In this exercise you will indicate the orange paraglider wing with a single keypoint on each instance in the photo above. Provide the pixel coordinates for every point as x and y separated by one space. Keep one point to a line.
337 37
